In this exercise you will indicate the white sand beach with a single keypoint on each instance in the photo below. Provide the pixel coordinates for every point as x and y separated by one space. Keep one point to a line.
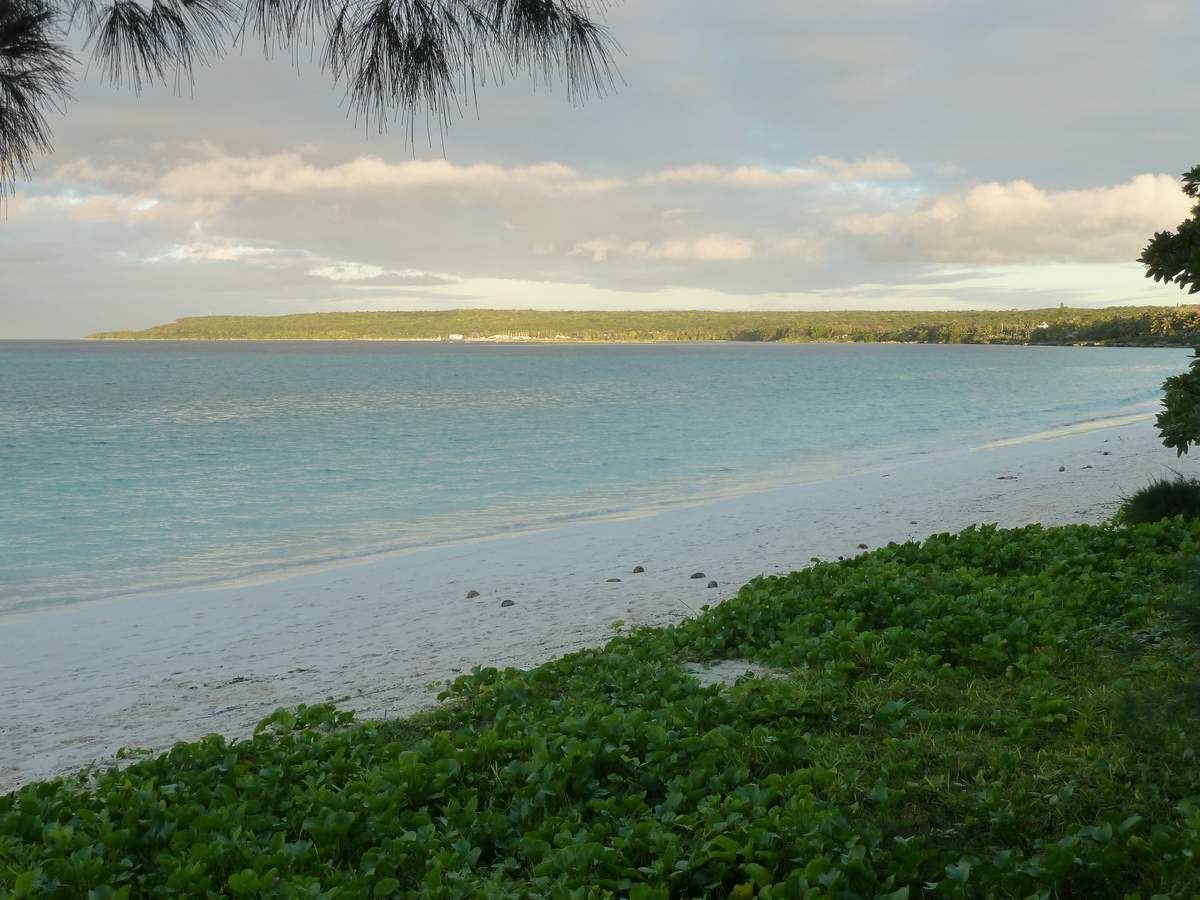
80 683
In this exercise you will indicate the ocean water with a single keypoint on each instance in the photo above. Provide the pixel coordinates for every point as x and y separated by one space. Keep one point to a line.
127 467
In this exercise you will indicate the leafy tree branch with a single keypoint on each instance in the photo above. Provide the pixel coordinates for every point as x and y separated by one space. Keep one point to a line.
1174 258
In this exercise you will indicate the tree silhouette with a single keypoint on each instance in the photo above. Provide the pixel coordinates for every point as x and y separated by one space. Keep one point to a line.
397 59
1174 258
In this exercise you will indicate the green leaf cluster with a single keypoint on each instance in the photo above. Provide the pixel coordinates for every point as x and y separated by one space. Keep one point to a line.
1173 257
946 720
1179 422
1118 325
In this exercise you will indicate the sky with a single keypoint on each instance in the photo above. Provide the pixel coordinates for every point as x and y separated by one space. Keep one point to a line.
763 155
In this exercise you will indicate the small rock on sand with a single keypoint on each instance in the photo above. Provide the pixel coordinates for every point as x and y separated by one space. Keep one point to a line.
1062 468
472 594
507 603
697 574
862 546
637 569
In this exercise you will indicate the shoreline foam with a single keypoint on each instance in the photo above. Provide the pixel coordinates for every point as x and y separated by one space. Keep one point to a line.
150 670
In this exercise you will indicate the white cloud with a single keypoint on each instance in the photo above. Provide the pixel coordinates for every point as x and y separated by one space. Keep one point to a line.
72 205
712 247
173 191
200 252
1019 222
721 120
598 248
347 271
709 248
828 170
83 170
809 249
288 173
297 261
368 231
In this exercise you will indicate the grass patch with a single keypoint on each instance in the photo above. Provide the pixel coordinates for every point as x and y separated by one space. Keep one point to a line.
1162 499
950 725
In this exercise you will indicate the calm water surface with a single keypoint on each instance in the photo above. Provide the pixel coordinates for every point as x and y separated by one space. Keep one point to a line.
132 466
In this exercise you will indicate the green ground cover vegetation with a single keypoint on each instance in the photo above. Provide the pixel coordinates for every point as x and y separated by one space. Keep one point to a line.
994 713
1143 326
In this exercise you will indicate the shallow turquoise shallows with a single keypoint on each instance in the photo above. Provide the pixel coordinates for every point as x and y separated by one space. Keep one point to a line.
135 466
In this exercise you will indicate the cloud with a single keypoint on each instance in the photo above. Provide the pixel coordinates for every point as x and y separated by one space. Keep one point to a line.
72 205
348 272
287 173
364 225
809 249
1020 223
828 170
200 252
598 248
709 248
170 190
83 170
302 262
712 247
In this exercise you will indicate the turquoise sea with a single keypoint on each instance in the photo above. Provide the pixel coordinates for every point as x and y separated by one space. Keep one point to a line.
127 467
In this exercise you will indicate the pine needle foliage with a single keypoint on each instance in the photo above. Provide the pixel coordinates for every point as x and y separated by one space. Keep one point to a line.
398 60
34 76
943 722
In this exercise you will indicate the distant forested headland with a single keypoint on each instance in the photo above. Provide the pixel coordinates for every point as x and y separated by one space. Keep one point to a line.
1118 325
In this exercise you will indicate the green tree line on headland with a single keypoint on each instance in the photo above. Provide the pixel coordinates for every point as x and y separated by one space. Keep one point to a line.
1142 326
